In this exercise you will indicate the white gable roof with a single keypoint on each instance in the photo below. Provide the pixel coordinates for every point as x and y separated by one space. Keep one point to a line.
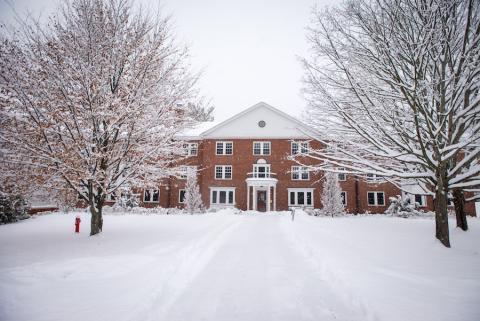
245 125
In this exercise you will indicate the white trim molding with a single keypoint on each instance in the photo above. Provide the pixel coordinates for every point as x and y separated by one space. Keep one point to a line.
305 192
217 194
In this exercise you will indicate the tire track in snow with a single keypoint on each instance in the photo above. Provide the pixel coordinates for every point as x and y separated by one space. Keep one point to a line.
187 264
314 258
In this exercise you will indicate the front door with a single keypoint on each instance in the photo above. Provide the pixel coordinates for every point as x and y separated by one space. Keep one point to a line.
262 201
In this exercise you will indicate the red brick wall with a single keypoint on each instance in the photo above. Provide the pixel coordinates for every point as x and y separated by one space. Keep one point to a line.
242 162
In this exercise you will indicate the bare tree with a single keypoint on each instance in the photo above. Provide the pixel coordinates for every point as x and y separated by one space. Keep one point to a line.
201 111
397 83
90 99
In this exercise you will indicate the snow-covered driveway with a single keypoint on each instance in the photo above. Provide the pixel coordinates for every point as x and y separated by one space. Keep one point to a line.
258 275
237 267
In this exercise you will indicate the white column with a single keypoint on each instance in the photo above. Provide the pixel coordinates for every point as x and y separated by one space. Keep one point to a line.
248 197
268 199
254 195
274 198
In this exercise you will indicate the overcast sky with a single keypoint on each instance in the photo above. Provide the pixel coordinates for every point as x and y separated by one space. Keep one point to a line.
247 49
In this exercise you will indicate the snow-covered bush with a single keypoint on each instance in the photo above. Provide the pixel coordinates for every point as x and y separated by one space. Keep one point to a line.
193 198
314 212
402 207
127 201
332 195
12 208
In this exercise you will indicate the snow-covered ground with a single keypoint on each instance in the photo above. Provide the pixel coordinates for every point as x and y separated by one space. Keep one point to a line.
252 266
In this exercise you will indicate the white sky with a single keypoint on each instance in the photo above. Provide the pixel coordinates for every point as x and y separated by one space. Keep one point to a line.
247 49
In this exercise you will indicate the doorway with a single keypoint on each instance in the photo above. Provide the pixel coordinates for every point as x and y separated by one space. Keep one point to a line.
262 201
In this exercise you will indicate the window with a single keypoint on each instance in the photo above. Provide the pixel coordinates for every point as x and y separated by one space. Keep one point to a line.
222 196
261 148
421 200
341 176
151 195
181 196
224 148
300 173
373 178
300 147
300 196
376 198
185 169
344 197
223 172
190 149
261 171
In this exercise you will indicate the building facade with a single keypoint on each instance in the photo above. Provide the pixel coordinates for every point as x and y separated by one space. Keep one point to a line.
246 162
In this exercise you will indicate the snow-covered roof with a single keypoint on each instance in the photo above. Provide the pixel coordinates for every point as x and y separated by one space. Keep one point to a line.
413 188
246 124
196 131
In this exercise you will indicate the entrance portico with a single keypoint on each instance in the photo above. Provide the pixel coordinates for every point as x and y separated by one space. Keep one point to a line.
263 186
263 192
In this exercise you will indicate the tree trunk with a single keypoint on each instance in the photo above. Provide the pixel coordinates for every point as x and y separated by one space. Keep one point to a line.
441 213
96 223
459 202
357 198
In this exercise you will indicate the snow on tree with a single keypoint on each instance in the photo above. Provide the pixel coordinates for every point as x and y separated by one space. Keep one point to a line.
193 198
332 195
90 100
201 111
395 84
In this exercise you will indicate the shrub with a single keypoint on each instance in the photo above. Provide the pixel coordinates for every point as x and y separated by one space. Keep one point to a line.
12 208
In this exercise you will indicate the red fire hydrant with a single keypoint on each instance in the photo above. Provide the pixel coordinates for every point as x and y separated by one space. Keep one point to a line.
77 224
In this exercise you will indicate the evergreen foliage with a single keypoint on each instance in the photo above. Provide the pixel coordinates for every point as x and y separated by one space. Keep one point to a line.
12 208
332 195
193 198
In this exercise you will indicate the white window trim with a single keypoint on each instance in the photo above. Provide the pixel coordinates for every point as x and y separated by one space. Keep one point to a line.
267 172
151 194
301 169
224 149
179 194
223 172
344 175
376 198
261 148
375 179
299 147
221 189
296 190
424 200
346 199
188 149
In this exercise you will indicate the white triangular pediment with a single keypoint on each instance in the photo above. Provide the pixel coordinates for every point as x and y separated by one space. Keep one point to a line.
248 124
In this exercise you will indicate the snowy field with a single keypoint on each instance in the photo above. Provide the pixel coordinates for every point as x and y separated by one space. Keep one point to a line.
238 267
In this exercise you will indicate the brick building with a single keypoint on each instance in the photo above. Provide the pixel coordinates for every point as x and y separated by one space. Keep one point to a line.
244 162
